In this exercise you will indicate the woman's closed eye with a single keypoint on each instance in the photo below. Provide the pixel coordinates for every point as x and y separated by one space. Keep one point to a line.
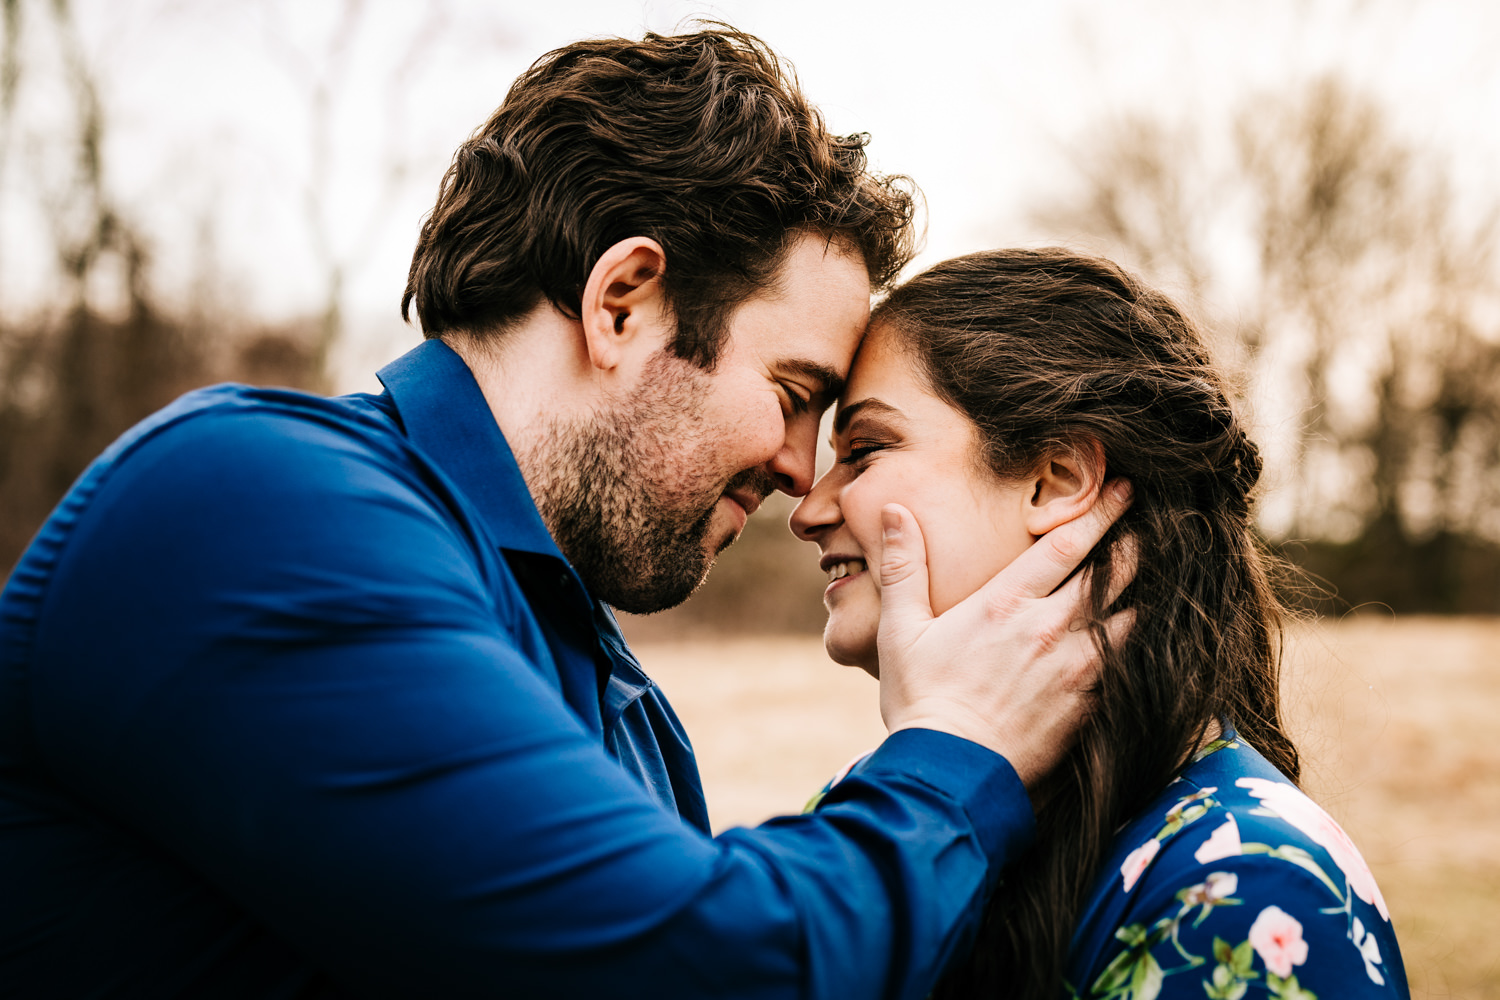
860 452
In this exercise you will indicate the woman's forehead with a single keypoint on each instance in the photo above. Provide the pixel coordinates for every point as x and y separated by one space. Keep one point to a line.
884 360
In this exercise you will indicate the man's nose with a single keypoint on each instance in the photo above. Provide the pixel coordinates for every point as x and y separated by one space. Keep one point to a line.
795 465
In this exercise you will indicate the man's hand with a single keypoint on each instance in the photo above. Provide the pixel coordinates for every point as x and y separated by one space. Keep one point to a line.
1010 667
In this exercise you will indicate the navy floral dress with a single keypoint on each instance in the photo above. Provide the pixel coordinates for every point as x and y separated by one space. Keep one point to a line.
1234 884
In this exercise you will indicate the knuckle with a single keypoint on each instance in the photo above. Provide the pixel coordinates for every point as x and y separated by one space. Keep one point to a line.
1003 606
1066 549
1051 633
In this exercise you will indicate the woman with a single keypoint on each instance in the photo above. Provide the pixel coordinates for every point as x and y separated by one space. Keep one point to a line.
1174 855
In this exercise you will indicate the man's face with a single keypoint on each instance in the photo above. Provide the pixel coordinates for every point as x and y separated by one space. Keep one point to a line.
643 497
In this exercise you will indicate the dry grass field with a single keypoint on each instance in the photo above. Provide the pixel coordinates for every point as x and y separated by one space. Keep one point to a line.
1394 719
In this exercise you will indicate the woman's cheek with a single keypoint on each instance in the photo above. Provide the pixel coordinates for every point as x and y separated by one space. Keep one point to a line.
862 512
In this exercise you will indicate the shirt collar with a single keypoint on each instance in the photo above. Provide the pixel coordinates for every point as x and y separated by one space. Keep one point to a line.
447 417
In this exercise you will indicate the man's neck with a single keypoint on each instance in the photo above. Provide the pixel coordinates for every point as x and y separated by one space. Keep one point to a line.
529 373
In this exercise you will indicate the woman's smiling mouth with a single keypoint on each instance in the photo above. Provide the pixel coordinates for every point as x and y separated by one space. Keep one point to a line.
844 567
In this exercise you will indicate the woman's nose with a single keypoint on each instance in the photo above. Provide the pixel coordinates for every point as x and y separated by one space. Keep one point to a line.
818 511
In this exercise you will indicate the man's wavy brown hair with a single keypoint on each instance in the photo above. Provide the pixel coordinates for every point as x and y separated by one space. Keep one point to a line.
703 142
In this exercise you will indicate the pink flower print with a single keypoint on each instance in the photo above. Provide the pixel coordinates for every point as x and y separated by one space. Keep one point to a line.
1218 887
1137 862
1276 937
1307 816
1222 843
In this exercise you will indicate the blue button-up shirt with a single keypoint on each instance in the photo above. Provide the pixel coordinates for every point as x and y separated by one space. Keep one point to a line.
299 698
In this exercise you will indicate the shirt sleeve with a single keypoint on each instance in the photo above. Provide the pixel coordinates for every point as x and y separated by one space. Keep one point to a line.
271 654
1274 924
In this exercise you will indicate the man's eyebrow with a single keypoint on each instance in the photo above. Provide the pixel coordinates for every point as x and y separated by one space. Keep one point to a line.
830 383
841 421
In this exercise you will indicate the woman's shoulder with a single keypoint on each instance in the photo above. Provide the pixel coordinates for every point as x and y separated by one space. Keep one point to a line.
1231 878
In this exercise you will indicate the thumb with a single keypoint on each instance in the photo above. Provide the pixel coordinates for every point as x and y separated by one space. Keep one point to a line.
904 602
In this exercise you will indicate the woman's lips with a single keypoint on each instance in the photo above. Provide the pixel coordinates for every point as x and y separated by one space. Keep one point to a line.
841 570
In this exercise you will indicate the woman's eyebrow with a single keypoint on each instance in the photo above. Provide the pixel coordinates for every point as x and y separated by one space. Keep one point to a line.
867 405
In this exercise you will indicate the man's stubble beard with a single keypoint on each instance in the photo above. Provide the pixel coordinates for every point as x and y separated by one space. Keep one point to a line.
630 494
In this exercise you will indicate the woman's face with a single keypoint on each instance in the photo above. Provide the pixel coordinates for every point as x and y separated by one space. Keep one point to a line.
895 442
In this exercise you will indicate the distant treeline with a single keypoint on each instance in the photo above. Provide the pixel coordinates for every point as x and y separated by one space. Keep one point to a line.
70 387
770 582
1439 575
1353 289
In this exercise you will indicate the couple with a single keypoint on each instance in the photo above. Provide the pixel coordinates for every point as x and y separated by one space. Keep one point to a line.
315 697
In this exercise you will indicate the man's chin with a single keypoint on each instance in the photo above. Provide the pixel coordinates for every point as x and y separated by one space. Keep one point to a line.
661 590
653 571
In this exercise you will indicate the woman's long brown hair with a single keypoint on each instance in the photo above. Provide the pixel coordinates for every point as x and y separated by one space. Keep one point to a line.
1047 351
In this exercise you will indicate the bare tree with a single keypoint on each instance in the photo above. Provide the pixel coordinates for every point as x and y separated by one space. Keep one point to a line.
102 347
10 81
323 75
72 379
1370 329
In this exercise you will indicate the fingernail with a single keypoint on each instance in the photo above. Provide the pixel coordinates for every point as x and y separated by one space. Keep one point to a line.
890 521
1122 490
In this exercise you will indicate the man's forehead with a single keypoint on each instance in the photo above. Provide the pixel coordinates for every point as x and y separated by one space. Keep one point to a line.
810 320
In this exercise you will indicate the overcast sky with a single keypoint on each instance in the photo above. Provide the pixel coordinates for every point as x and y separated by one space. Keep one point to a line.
211 108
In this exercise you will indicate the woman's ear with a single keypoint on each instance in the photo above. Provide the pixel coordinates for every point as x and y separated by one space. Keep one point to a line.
623 310
1065 487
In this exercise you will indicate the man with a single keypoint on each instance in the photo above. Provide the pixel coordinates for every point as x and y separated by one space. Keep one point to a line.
316 698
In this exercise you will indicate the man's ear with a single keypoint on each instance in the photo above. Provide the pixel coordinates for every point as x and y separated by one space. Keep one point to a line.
623 309
1065 487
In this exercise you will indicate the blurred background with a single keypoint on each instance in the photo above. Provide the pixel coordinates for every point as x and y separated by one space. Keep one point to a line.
193 192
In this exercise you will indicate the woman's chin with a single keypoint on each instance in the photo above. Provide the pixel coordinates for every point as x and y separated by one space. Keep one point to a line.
858 652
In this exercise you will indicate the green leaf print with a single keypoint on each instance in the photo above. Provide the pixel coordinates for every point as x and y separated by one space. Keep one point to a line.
1232 976
1214 745
1145 982
1117 973
1226 985
1244 955
1186 810
1134 974
1297 856
1287 988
